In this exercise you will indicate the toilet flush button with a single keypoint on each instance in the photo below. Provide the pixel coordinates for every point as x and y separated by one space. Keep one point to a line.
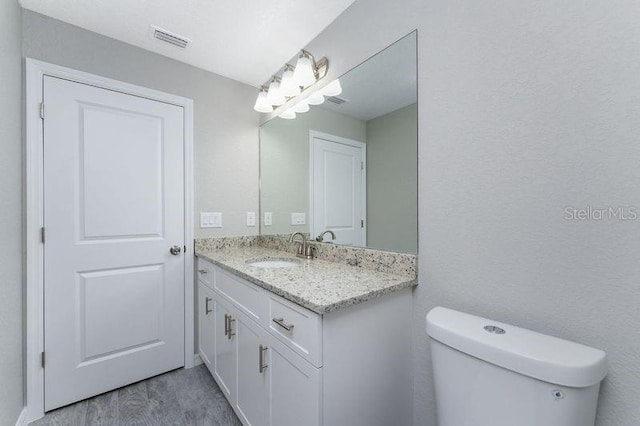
494 329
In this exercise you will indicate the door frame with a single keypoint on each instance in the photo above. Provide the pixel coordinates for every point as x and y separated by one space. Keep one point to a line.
344 141
34 215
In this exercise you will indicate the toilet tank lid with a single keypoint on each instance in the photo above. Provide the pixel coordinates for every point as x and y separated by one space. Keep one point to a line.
523 351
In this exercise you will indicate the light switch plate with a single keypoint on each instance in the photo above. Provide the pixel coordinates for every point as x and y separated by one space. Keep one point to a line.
210 220
298 218
251 218
268 218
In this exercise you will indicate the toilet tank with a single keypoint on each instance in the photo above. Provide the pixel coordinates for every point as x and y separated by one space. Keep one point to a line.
487 373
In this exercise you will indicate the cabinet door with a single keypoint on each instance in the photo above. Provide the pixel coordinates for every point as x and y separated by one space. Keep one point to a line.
224 360
251 404
205 325
294 388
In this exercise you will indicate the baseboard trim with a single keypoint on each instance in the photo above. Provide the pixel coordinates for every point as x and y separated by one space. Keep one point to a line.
22 420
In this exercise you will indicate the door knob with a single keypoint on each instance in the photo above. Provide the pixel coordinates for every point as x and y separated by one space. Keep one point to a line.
175 250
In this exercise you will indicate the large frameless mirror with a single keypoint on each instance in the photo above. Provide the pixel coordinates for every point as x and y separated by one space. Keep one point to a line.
349 165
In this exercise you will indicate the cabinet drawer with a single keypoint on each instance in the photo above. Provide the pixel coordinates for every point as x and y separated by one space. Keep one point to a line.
205 272
247 297
297 327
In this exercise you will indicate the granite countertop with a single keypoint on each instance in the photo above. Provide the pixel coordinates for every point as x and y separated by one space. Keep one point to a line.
319 285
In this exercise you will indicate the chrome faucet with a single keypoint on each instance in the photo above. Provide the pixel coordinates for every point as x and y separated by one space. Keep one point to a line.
304 251
320 238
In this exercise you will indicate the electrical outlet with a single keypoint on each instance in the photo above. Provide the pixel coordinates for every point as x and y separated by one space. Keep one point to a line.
298 218
217 220
251 218
210 220
268 218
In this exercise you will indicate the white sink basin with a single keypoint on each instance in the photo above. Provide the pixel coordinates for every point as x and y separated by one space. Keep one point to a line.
273 262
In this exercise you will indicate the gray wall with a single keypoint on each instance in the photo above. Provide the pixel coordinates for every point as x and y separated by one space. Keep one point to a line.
11 365
284 163
392 186
225 125
524 108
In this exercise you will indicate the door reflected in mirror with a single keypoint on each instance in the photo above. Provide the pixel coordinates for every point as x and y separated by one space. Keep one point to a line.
349 165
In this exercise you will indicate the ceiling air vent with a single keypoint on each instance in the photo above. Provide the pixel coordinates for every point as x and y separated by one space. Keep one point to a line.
337 100
168 37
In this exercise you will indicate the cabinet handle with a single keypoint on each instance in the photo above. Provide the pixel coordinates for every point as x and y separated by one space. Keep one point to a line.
261 365
203 271
231 333
281 323
226 324
206 305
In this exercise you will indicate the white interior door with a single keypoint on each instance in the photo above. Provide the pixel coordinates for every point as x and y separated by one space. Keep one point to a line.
113 207
338 188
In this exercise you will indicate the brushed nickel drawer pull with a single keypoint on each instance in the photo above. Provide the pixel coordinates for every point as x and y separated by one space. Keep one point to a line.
207 310
203 271
226 324
281 323
261 365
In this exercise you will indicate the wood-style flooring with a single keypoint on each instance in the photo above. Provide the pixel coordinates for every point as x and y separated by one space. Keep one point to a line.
180 397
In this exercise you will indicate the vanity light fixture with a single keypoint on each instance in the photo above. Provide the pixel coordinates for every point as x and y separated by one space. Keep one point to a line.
316 98
262 103
294 80
288 85
289 114
304 73
275 95
332 89
301 107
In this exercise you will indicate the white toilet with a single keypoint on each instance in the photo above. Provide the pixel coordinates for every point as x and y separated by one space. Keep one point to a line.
488 373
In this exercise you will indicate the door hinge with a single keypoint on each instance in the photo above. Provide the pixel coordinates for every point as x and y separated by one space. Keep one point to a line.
42 234
362 165
361 223
42 359
185 249
42 110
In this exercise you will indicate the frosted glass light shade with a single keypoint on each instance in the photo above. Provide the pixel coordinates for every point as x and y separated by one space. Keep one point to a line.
275 95
301 107
316 98
303 74
288 86
332 89
288 114
262 103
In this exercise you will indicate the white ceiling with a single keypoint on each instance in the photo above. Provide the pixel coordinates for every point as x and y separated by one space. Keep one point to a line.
384 83
246 40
